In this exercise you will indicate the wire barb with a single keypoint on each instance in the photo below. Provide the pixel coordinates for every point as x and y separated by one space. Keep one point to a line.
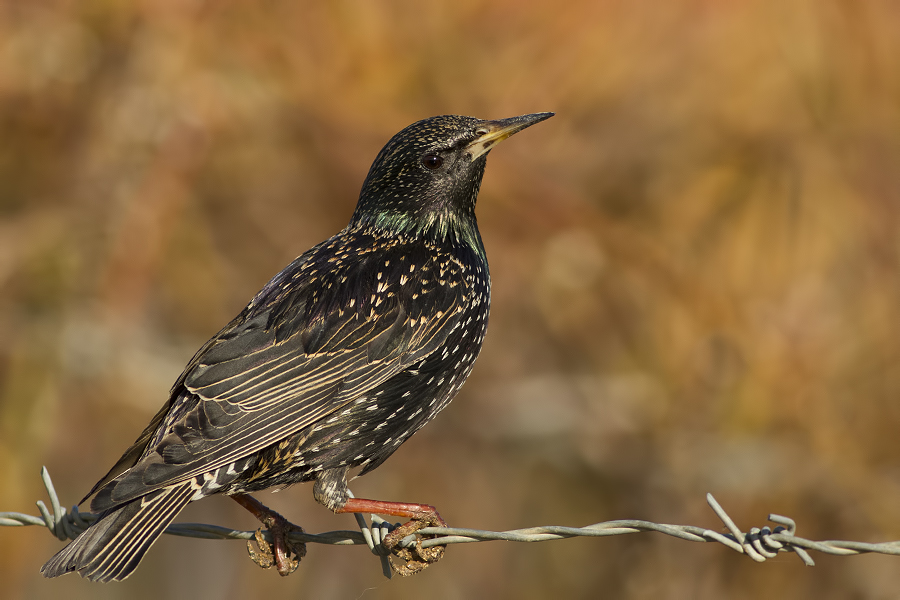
759 544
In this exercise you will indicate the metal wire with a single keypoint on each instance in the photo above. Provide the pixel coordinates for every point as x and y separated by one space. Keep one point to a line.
759 543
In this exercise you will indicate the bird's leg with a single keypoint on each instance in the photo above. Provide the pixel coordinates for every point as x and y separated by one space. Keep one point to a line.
283 553
421 515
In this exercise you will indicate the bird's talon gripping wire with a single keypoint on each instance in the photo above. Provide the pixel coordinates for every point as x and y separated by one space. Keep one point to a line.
415 558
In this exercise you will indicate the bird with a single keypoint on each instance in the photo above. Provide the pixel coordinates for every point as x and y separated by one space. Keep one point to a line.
337 361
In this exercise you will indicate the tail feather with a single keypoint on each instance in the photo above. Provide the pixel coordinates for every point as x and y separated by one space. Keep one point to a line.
112 548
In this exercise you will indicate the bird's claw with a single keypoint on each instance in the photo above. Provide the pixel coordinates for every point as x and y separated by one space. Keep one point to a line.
282 553
415 558
264 557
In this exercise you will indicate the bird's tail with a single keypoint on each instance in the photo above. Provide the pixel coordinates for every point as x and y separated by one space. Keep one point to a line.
112 548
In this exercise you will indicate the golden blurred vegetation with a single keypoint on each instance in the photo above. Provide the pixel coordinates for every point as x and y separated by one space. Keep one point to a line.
695 272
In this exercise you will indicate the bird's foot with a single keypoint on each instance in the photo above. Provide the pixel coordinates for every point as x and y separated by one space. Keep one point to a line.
264 556
415 558
281 553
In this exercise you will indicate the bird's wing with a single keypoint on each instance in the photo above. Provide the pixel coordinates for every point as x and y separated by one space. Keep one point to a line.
303 349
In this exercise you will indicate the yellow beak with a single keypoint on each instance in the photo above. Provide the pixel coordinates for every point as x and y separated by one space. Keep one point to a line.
492 133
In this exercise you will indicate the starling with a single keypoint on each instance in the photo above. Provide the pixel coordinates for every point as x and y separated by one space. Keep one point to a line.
336 362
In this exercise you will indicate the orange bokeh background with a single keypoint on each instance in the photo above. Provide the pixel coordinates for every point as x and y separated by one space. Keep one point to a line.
695 273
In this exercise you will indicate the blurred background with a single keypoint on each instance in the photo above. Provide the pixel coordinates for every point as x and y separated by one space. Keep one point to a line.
695 269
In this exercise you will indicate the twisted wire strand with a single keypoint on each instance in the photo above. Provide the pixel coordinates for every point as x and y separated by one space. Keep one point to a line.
758 543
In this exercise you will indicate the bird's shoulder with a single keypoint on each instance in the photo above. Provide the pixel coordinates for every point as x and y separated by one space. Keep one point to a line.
345 292
356 272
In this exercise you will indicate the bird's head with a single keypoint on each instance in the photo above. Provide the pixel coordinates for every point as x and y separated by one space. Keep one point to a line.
426 178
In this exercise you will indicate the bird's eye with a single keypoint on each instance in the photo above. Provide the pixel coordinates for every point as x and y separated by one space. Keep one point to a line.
432 161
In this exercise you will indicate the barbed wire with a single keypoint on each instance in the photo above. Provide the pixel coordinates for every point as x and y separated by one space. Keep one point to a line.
759 543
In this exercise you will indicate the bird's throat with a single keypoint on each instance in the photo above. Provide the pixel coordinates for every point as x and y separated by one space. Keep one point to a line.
441 227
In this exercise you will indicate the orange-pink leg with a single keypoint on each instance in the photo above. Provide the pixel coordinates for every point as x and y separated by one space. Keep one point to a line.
417 512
